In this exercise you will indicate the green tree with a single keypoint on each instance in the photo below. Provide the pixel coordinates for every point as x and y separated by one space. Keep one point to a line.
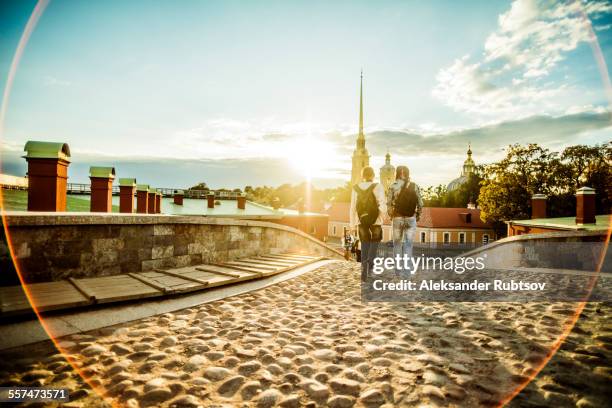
508 185
200 186
590 166
434 196
466 193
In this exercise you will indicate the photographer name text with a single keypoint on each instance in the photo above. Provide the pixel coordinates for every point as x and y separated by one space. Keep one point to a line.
443 285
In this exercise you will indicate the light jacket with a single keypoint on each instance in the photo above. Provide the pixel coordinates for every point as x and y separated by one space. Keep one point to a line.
379 193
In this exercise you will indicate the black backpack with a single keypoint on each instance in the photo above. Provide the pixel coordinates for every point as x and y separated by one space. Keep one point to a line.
367 207
406 201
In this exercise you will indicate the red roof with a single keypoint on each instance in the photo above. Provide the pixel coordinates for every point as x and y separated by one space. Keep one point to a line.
431 217
338 212
439 217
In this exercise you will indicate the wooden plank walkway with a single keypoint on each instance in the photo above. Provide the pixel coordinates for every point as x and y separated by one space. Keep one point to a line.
73 293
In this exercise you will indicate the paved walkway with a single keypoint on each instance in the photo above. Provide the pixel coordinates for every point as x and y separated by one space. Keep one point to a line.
309 341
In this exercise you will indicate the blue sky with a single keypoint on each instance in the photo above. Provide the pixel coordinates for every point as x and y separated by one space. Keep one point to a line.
236 93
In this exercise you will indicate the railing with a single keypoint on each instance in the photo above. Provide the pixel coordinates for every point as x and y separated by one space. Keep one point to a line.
82 188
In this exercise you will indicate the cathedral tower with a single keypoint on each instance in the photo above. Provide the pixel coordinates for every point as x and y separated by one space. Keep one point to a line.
361 157
468 168
387 172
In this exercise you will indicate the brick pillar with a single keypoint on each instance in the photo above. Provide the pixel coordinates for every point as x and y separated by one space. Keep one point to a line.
538 206
127 188
47 175
585 205
142 195
158 197
241 201
178 197
101 194
151 209
101 188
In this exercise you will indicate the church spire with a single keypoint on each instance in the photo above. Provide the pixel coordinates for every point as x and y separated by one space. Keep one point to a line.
361 158
361 135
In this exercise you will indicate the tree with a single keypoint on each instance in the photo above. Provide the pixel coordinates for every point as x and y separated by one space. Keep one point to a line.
508 185
466 193
434 196
590 166
440 197
200 186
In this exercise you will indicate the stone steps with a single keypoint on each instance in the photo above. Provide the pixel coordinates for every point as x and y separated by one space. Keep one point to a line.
72 293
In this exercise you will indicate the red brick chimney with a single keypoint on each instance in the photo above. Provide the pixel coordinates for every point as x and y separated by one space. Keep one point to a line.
47 175
101 188
210 198
152 208
142 195
127 187
538 206
158 197
178 197
585 205
241 201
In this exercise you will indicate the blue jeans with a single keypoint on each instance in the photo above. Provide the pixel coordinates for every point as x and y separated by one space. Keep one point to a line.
404 230
370 237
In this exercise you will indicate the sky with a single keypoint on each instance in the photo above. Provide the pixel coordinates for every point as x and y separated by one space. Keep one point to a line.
267 92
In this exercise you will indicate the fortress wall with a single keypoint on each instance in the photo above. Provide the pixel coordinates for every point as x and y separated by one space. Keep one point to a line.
54 246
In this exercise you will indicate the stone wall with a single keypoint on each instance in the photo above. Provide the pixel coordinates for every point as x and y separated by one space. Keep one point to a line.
579 250
56 246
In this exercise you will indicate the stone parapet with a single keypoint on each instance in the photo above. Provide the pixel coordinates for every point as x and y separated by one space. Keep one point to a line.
54 246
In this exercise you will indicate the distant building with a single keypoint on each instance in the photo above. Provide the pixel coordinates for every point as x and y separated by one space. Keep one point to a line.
436 225
468 168
338 214
387 172
361 157
439 225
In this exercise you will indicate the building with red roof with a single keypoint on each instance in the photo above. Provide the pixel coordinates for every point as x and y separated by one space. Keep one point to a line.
437 225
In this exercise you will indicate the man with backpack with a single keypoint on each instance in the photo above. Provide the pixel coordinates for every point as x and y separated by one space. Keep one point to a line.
366 216
404 203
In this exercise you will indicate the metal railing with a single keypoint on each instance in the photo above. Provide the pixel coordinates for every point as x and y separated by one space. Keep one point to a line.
83 188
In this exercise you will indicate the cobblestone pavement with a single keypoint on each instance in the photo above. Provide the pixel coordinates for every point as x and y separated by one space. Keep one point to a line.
310 341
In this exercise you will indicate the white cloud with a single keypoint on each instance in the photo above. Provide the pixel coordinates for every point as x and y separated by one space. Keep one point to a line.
532 38
584 109
471 87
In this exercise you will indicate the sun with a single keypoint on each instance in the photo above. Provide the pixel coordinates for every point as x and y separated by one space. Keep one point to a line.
312 158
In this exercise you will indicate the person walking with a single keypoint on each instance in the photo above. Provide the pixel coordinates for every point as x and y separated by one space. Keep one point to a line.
405 204
366 216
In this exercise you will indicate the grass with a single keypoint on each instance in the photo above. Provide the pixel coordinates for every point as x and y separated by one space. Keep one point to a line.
17 200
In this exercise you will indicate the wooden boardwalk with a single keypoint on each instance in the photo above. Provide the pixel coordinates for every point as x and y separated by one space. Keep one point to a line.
73 293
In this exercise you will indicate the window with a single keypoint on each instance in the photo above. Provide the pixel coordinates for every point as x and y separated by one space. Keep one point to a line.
334 230
485 239
462 237
446 237
423 236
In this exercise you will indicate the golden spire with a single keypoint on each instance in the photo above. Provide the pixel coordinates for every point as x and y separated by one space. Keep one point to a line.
361 135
